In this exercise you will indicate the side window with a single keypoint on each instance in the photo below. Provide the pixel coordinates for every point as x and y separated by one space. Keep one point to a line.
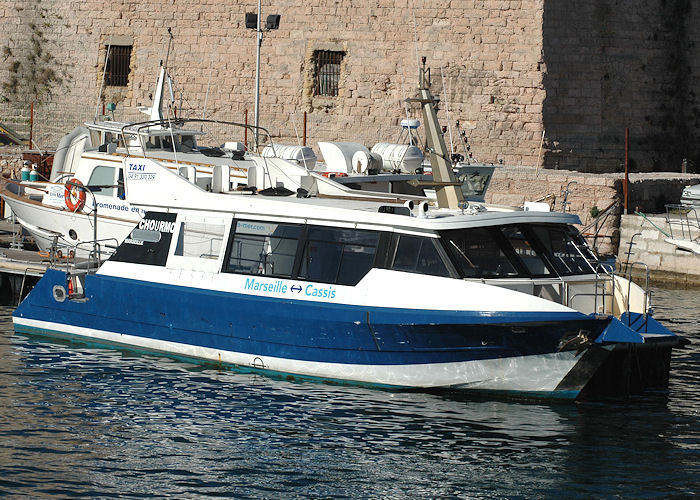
200 240
102 181
333 255
416 254
263 248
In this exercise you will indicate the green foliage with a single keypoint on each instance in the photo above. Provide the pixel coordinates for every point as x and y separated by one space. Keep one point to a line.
595 211
34 73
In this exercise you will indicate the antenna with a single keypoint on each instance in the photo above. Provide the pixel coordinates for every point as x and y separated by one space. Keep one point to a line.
102 85
303 154
415 34
206 96
170 41
447 110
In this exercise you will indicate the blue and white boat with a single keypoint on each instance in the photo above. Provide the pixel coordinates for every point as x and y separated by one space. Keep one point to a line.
361 290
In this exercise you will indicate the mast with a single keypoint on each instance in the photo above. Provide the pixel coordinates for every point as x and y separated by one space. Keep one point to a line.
448 190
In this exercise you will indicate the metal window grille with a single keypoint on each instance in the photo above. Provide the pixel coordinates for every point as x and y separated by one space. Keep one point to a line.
118 66
327 72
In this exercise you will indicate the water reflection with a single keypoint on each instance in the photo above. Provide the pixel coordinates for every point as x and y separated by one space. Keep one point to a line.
95 422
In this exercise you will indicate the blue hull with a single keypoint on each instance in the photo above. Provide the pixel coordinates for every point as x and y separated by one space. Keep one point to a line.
309 332
301 330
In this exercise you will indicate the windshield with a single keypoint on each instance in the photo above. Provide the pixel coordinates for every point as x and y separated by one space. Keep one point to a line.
518 250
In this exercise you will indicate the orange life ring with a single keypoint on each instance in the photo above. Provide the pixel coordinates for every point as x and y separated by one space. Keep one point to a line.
74 195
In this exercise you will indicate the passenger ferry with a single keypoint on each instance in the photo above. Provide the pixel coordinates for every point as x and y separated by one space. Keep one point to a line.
384 293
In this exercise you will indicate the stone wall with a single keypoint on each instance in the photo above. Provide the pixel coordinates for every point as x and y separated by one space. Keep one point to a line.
507 70
485 53
616 64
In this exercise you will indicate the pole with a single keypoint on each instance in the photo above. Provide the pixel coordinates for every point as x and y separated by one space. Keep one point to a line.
257 78
627 168
304 141
31 125
245 131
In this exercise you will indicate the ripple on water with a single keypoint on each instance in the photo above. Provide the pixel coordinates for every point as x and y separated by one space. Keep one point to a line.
107 423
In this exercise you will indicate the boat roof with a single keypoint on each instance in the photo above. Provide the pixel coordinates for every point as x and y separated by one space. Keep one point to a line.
362 210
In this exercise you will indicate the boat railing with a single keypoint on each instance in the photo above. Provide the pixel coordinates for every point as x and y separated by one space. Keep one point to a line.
684 220
27 270
96 252
604 274
598 223
175 127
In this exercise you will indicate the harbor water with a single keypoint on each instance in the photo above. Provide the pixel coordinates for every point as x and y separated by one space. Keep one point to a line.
81 421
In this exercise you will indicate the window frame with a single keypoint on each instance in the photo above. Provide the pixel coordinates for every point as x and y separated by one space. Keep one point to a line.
118 65
324 59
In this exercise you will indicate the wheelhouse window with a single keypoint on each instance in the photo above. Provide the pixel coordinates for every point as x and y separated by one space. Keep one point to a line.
416 254
479 252
518 250
525 252
118 66
327 72
265 248
336 255
566 248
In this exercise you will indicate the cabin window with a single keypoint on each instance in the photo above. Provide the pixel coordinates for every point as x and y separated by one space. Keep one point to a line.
118 66
263 248
336 255
102 181
566 248
327 72
416 254
199 239
478 253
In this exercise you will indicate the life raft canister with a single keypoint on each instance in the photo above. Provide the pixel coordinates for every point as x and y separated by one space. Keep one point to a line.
74 195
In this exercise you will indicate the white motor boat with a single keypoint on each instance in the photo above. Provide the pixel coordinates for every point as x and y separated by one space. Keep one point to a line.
83 207
691 195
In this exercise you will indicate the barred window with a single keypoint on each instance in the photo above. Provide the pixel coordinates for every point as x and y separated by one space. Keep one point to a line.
118 66
327 72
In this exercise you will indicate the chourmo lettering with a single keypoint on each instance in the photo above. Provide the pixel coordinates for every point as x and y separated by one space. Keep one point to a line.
157 225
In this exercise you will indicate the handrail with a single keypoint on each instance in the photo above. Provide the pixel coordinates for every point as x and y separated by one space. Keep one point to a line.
94 208
24 280
629 250
599 221
629 290
683 220
603 274
168 123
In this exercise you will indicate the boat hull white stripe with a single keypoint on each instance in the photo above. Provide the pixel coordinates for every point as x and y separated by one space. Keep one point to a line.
538 373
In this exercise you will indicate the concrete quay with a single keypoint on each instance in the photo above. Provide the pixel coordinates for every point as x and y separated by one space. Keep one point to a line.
667 264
